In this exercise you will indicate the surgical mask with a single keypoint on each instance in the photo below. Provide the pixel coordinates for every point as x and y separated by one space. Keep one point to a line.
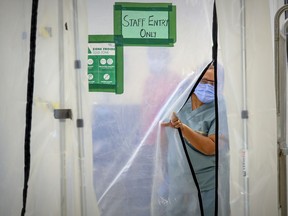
205 92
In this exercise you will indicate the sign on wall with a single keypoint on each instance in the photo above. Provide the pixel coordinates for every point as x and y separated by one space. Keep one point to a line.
145 24
135 24
105 64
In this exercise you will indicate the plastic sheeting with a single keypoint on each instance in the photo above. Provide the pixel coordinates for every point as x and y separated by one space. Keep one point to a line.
129 163
54 186
128 166
149 182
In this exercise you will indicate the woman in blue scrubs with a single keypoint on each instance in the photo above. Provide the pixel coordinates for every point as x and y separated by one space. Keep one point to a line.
196 121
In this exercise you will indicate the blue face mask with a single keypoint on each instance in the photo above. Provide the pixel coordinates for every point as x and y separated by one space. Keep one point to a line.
205 92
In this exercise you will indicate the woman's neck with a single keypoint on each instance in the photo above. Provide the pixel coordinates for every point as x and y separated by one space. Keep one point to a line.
196 103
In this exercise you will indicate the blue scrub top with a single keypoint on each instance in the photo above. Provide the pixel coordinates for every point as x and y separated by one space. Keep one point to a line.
201 120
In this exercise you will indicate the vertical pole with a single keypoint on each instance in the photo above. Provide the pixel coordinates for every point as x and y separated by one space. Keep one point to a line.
281 98
286 17
63 183
244 114
80 123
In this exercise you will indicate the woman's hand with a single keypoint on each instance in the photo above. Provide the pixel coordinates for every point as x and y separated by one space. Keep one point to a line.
204 144
175 122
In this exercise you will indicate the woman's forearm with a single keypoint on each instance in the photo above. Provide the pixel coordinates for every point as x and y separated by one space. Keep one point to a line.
204 144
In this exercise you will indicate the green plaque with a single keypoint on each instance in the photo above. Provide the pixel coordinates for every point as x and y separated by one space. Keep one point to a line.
105 64
145 24
101 63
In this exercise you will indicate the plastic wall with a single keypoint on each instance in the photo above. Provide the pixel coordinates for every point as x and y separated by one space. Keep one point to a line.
261 154
246 53
126 132
56 181
107 165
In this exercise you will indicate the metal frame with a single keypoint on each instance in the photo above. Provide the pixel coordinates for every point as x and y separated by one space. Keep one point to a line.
281 99
244 114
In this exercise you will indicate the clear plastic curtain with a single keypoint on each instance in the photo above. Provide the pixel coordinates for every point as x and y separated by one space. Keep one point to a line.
14 45
131 150
246 50
130 160
156 177
54 183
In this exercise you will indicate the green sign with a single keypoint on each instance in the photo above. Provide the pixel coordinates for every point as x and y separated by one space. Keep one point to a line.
145 24
101 63
105 64
135 24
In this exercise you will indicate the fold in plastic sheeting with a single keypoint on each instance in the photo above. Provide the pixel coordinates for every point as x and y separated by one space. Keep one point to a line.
124 124
131 151
148 182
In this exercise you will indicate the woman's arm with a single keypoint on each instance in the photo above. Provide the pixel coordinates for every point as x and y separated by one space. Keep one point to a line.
204 144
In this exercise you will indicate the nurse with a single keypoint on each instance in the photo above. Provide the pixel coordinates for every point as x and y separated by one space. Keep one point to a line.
196 121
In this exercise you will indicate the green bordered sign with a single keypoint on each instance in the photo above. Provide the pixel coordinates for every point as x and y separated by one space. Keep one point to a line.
105 64
145 24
